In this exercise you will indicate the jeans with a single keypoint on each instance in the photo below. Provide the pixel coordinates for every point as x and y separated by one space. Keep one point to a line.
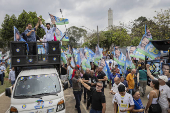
130 91
143 86
85 92
89 98
94 111
13 82
47 48
2 79
70 82
77 95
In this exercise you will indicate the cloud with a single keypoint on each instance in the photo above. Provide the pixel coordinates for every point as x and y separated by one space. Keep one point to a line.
89 13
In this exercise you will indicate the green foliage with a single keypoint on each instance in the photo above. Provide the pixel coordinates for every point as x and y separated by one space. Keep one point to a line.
7 31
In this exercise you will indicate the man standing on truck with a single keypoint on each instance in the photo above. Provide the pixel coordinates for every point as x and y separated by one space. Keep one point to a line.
49 33
31 37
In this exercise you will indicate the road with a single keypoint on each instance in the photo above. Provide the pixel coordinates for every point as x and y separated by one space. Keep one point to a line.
70 101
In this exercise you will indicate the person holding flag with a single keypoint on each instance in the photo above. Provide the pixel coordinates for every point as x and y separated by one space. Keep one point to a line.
49 32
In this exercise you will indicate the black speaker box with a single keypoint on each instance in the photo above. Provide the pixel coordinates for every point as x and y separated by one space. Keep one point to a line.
54 59
54 47
18 48
18 60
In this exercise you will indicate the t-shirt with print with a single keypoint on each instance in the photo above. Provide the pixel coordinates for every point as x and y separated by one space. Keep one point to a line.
94 80
131 82
97 99
138 105
123 101
164 95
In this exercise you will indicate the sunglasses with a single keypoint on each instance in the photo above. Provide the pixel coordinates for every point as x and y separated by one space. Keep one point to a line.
98 86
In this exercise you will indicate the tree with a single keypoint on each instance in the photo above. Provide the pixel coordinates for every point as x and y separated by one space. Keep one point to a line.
7 31
74 33
31 17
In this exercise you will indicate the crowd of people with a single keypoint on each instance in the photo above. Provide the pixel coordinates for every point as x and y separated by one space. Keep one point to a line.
126 89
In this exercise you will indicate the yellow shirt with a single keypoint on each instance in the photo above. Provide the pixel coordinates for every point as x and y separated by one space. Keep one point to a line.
131 82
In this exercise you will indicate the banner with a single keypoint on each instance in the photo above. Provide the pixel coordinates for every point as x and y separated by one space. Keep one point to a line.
77 57
58 34
83 59
17 36
87 56
69 51
63 57
164 67
98 55
71 70
58 21
128 62
119 57
145 47
41 49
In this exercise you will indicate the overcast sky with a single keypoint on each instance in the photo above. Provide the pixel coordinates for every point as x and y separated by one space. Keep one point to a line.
88 13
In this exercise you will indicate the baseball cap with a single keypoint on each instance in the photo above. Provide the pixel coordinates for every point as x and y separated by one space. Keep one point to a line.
128 68
163 77
110 62
78 66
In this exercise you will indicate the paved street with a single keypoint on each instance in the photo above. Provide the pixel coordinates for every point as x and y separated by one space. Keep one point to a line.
70 102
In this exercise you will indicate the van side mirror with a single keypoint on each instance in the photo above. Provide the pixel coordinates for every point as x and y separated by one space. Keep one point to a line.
8 92
65 85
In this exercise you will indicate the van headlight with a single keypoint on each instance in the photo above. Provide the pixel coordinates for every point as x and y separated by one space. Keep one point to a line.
13 110
60 105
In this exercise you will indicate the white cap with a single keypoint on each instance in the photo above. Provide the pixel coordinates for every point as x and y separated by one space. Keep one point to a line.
163 77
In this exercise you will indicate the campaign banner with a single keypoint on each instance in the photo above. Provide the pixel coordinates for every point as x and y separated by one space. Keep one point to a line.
17 36
41 49
164 67
83 59
58 34
88 57
58 21
77 58
69 52
98 55
155 66
63 57
128 62
119 57
145 47
71 70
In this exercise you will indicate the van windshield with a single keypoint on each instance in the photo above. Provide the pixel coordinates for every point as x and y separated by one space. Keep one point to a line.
34 85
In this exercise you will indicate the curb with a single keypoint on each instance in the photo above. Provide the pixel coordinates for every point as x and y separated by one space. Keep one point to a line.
2 94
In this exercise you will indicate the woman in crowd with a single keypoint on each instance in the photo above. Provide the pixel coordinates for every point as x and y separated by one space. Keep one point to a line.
138 108
153 96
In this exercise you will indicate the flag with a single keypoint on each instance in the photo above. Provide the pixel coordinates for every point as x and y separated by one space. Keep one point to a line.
119 57
18 37
97 55
66 38
83 59
58 34
63 57
145 47
108 71
69 52
58 21
71 70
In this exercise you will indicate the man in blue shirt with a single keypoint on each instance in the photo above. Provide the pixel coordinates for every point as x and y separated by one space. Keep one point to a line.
112 76
2 69
31 37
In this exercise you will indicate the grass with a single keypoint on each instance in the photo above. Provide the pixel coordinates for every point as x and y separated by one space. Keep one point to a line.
6 82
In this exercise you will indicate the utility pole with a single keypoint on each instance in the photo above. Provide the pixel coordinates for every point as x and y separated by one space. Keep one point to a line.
97 35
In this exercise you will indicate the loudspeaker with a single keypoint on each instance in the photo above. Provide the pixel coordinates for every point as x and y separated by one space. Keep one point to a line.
18 60
32 59
18 48
54 47
54 59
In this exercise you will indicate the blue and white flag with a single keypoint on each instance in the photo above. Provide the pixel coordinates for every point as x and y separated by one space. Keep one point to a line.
97 55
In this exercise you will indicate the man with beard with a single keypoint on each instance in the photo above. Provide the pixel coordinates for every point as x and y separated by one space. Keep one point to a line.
144 42
86 76
49 33
101 77
98 97
92 82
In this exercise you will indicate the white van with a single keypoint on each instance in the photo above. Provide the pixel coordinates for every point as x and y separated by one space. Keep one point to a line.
37 91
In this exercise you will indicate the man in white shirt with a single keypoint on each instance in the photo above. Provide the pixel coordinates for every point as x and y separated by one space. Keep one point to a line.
49 32
2 69
163 88
123 100
12 76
